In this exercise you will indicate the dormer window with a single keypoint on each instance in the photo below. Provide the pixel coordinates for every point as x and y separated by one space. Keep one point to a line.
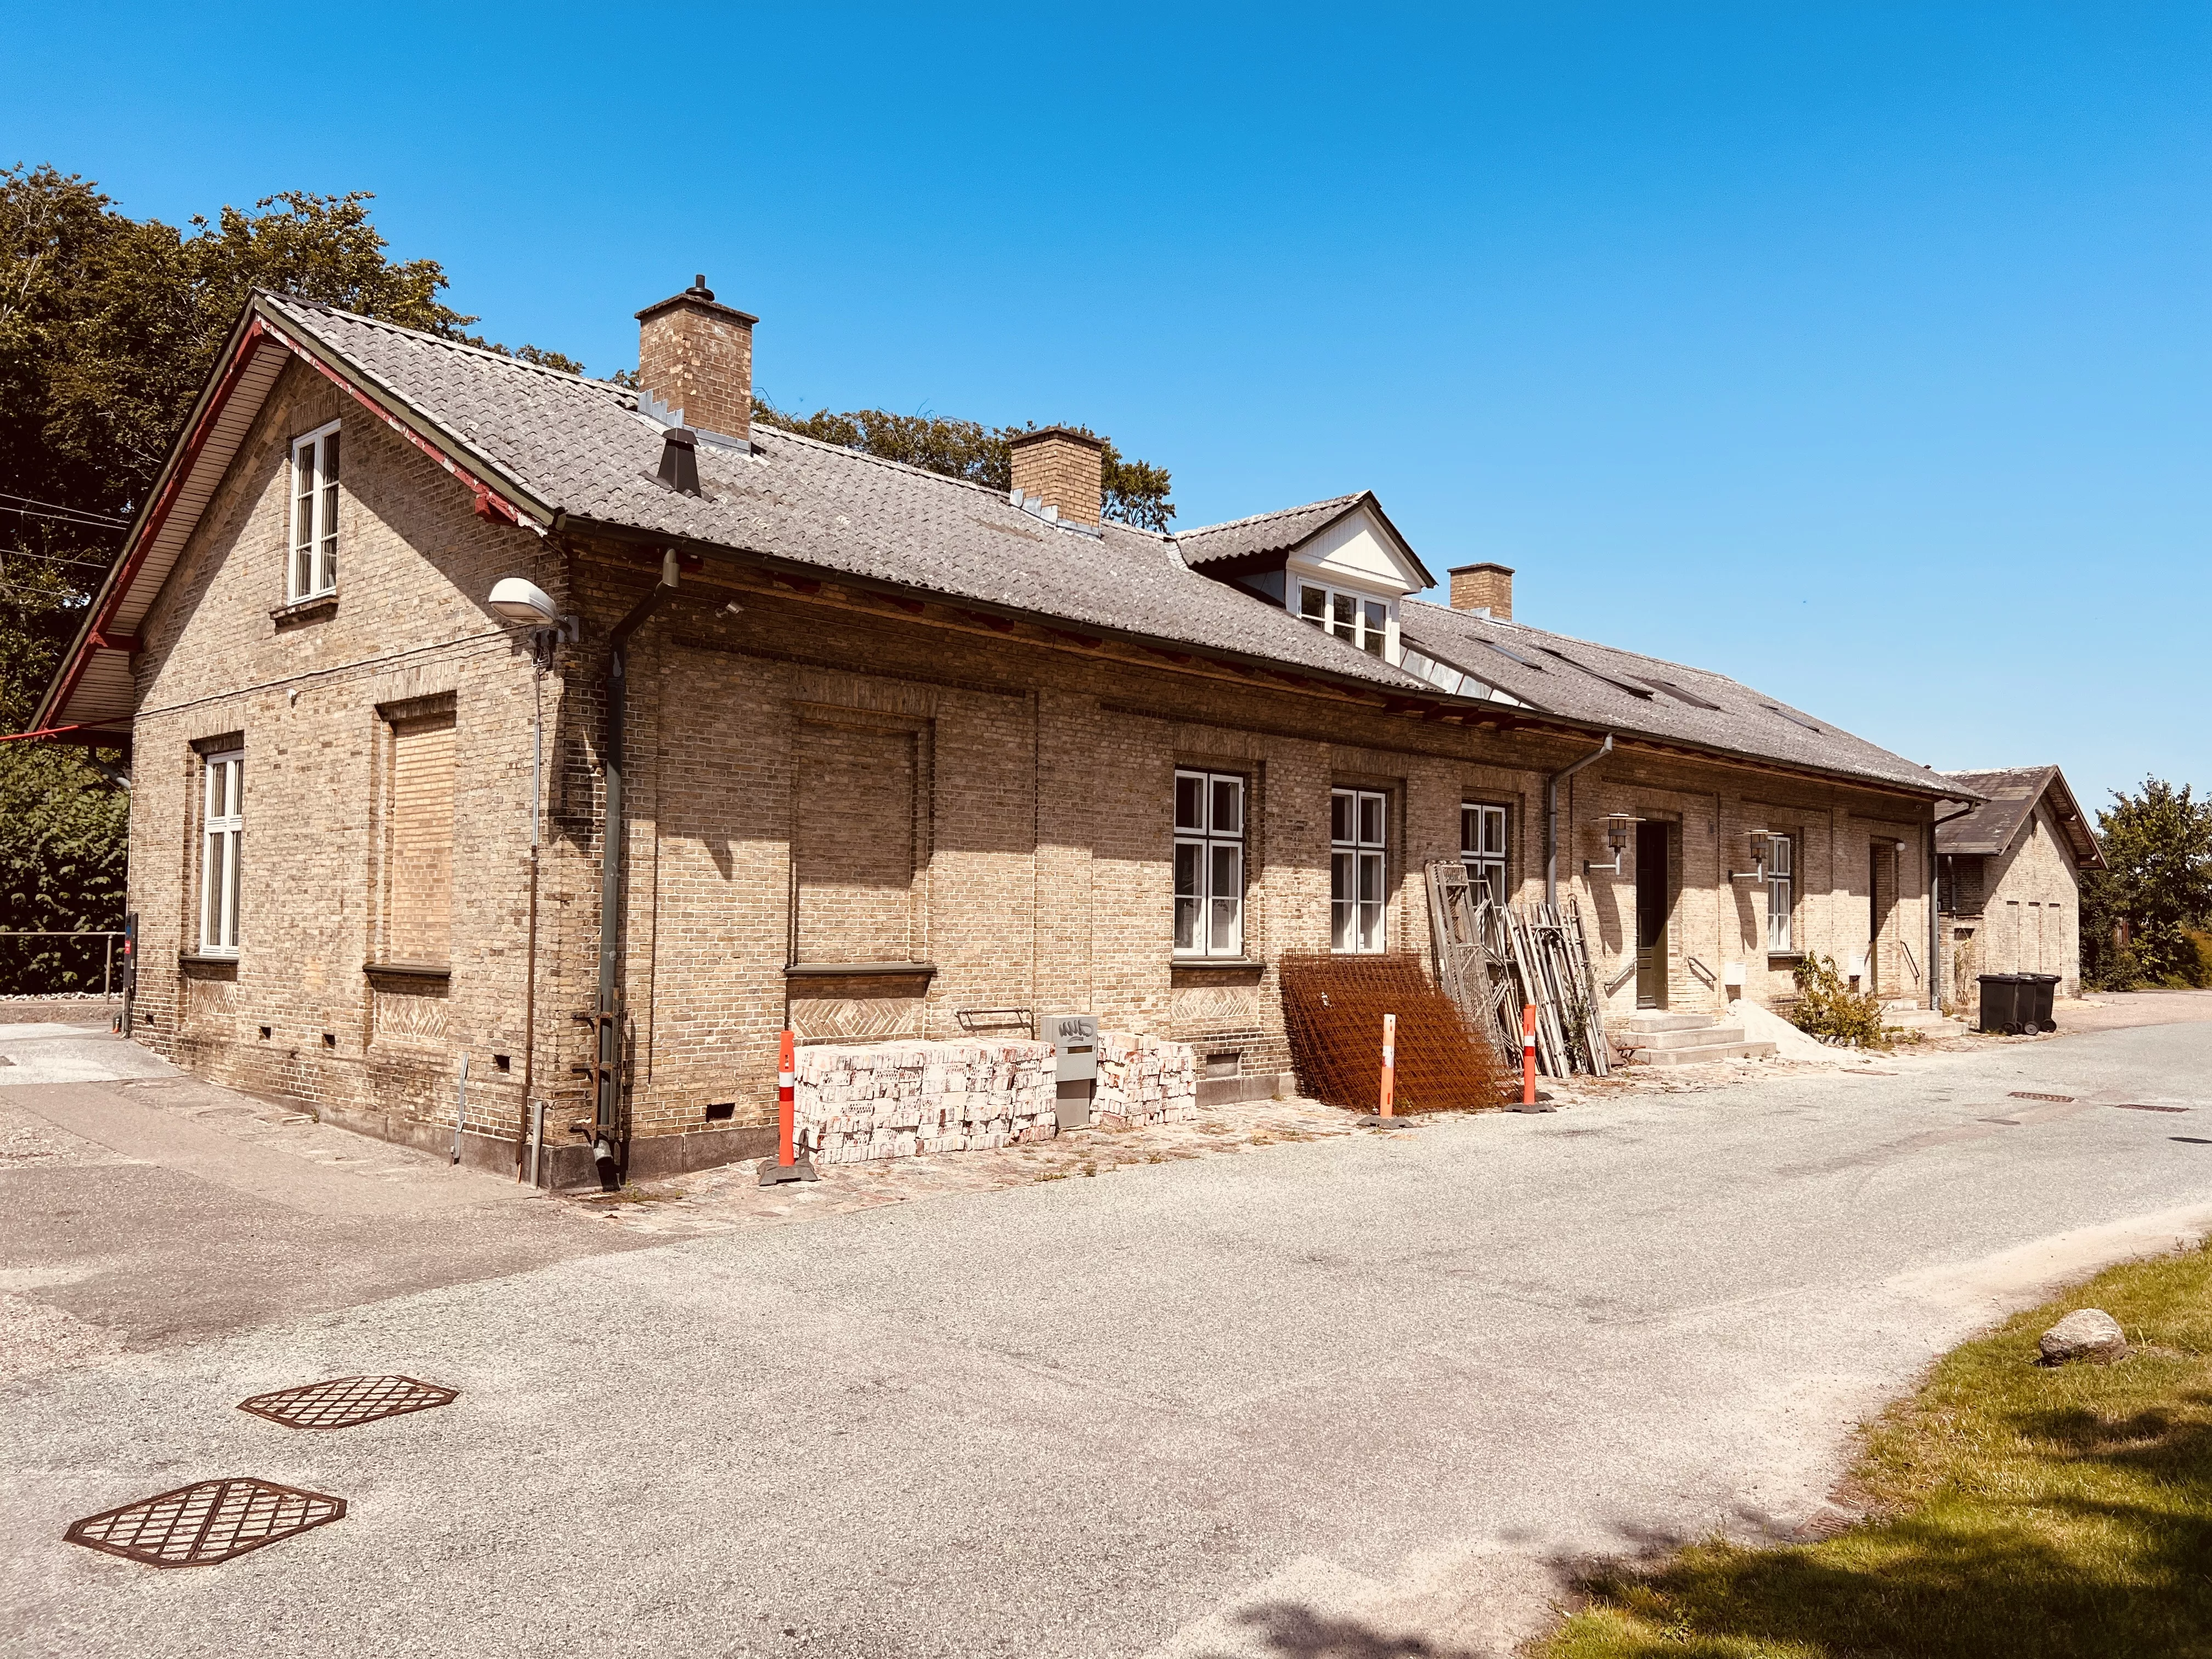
1365 622
314 567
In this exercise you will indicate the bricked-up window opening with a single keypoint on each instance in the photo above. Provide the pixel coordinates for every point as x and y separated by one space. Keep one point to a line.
1482 848
1357 822
1781 894
1209 864
419 919
853 841
222 827
1365 622
314 565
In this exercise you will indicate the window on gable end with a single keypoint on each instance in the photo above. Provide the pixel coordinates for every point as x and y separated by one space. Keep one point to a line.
313 568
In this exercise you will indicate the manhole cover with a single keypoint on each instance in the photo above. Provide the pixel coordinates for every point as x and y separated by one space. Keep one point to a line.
207 1521
343 1401
2130 1107
2022 1094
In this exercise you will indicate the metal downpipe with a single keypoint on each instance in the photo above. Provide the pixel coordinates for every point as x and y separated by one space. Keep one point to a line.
606 1136
1551 816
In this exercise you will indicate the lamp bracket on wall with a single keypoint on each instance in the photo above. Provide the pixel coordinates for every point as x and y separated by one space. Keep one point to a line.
1616 837
1761 840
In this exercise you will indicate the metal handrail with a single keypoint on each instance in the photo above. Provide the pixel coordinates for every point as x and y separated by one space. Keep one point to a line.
107 969
1701 971
1908 962
1621 978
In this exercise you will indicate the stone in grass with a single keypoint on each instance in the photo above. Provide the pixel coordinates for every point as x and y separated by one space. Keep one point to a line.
2089 1334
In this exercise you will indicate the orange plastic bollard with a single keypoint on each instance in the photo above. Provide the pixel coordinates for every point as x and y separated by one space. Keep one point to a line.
1528 1054
787 1093
787 1164
1389 1062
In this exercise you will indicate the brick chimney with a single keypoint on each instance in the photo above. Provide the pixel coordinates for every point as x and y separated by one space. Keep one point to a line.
695 356
1064 468
1483 587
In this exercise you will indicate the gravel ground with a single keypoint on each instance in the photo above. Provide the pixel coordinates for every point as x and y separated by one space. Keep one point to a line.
1326 1396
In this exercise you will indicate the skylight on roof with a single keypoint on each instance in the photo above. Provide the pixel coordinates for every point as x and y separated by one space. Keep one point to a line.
1516 657
1633 690
1676 692
1793 719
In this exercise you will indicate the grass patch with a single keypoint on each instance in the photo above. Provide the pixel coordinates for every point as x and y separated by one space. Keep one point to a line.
2013 1511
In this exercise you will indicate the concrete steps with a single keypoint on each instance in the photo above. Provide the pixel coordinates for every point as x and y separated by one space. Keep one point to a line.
1926 1021
1659 1039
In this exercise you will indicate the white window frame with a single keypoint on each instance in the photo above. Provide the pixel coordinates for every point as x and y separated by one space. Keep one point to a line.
1359 871
1349 613
223 824
1781 895
1482 843
311 558
1208 871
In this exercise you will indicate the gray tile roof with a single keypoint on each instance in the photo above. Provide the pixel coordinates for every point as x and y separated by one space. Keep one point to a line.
1632 694
581 447
1992 826
1263 533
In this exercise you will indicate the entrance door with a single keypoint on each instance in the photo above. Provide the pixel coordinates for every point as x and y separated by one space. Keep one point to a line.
1652 904
1882 894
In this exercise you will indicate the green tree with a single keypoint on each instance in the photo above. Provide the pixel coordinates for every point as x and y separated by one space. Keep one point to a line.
109 327
1136 491
2139 913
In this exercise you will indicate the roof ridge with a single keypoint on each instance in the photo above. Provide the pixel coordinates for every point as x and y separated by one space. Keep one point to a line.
462 347
1271 513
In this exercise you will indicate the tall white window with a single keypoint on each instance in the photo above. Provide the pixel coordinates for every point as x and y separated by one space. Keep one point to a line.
222 818
1209 864
1353 616
1482 848
1357 820
1781 894
314 565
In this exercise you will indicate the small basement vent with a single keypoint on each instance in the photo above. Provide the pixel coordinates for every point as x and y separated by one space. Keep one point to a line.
343 1402
207 1521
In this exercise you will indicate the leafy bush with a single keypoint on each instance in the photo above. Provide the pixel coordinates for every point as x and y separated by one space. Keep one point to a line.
1828 1010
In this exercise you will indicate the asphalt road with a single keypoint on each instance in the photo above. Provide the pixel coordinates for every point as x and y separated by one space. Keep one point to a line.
1323 1401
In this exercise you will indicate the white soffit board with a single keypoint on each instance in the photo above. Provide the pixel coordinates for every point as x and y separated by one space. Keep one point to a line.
1360 551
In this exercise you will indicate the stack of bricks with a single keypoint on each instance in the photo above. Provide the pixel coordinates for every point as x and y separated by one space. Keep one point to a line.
895 1099
861 1101
1142 1079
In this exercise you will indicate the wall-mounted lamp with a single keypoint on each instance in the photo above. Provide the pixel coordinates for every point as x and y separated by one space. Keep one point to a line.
1762 854
521 601
1617 834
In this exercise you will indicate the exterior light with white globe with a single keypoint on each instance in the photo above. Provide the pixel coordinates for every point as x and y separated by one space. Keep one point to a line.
524 602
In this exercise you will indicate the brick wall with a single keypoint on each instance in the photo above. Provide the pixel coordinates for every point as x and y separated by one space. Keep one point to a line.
2025 915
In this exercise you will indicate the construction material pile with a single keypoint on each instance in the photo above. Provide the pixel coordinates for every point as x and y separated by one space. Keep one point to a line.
1495 960
1333 1010
854 1102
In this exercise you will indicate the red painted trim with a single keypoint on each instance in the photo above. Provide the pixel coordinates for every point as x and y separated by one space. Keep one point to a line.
107 641
489 503
134 557
69 734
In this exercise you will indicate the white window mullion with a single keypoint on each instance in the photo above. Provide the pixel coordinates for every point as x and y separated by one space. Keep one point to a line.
313 568
222 832
1359 869
1209 864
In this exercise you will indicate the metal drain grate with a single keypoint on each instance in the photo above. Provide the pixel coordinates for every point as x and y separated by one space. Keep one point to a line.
344 1402
2131 1106
207 1521
2022 1094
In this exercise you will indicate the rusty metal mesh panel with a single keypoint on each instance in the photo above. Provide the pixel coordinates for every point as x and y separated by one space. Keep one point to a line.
1333 1009
207 1521
344 1402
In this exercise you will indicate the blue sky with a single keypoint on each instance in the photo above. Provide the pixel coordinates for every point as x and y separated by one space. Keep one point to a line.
1858 351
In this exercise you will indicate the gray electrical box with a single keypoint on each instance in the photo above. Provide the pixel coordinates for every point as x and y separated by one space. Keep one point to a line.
1074 1039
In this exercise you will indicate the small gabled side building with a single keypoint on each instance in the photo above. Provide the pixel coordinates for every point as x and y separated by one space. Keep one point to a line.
2009 880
